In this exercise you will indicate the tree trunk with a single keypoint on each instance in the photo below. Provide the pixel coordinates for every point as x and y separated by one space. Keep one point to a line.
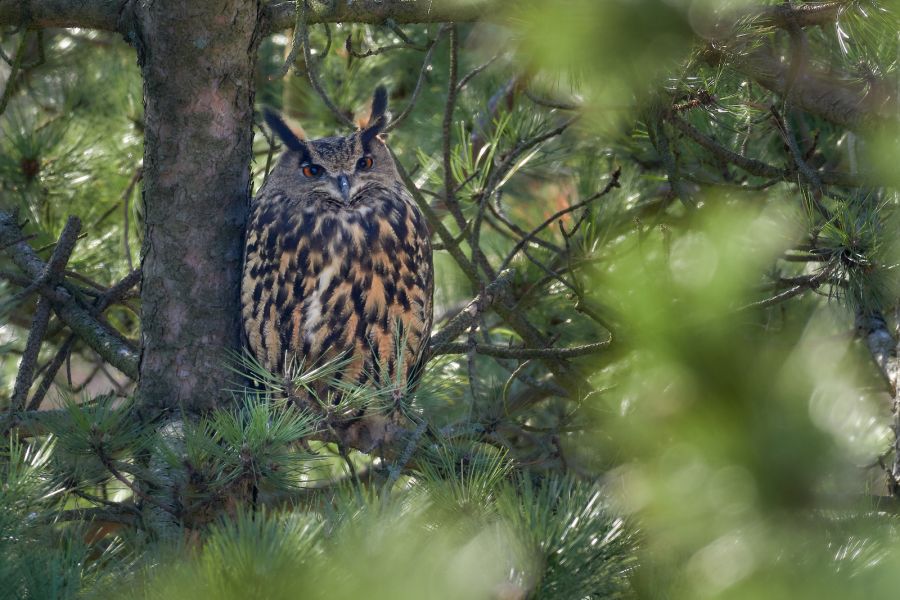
197 61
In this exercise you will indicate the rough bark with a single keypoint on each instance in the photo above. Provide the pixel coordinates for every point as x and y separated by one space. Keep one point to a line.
39 14
197 61
107 14
282 15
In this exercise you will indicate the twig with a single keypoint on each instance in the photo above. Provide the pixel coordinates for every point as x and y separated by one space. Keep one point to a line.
51 272
555 104
496 178
97 500
468 269
108 463
406 43
802 286
13 77
517 232
25 375
470 314
118 291
24 238
522 353
95 333
63 250
450 199
612 183
474 72
426 62
137 176
303 34
50 374
750 165
446 131
92 515
664 148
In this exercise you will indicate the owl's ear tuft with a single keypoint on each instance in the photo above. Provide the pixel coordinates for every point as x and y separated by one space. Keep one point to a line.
284 133
379 102
378 119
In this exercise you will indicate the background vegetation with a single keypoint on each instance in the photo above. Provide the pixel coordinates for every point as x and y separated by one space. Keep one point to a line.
664 360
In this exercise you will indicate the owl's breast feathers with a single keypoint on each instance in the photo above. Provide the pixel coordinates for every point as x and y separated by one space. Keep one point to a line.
357 283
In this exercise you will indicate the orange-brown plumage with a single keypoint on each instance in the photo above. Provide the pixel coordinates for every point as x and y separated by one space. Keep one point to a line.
338 264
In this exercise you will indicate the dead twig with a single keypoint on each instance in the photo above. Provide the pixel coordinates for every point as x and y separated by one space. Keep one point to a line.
522 353
612 183
426 63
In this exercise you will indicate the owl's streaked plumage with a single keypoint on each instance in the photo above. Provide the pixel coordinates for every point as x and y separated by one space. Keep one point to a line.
338 260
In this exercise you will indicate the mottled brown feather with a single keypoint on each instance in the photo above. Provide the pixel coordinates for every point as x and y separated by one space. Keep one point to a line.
326 276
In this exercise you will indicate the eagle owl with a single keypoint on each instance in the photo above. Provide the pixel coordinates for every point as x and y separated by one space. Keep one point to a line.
338 263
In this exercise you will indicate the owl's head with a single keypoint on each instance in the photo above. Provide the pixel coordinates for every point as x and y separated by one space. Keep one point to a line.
336 170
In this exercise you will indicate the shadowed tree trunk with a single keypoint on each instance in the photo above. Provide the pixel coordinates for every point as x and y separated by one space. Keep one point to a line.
197 61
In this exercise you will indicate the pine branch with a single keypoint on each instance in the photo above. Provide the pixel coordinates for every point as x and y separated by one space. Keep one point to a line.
801 15
93 515
844 101
752 165
105 341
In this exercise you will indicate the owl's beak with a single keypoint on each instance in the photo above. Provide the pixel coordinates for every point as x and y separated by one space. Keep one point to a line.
344 185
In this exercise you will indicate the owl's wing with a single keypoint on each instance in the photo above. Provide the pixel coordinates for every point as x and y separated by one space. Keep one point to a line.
422 295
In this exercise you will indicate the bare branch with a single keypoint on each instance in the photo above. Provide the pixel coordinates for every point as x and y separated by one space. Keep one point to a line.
40 14
50 374
302 24
803 285
426 62
97 335
751 165
470 314
280 15
13 76
844 101
469 269
25 375
474 72
883 347
612 183
522 353
52 272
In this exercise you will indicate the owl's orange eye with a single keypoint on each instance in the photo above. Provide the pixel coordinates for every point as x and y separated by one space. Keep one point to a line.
365 163
312 170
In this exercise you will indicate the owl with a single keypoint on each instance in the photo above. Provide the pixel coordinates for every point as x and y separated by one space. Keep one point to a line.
338 262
